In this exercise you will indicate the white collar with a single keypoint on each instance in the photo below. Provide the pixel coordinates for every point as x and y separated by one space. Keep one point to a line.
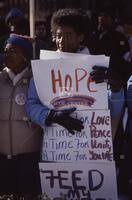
15 78
81 50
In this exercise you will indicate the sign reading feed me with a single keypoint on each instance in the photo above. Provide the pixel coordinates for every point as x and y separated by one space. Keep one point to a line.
89 181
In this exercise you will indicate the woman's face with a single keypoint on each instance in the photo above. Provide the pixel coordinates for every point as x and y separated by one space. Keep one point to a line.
14 58
67 40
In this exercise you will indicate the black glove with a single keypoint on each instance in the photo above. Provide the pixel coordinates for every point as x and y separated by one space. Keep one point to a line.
99 74
63 118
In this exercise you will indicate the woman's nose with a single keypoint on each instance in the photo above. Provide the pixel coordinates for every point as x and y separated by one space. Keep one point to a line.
62 39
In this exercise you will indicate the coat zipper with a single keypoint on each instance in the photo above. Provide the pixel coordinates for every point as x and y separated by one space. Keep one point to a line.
10 124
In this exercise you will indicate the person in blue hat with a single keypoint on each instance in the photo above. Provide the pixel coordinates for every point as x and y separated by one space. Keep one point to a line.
15 22
19 138
12 17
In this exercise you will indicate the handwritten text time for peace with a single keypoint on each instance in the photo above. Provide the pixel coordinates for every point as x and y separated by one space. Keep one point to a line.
93 143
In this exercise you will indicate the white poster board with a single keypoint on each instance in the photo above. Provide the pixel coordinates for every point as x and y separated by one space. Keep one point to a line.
48 55
94 143
91 181
66 82
76 163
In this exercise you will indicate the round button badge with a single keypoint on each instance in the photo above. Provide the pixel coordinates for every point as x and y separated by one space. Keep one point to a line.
20 99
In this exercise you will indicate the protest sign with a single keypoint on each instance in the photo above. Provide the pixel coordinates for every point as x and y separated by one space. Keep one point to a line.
48 55
91 181
66 82
79 166
94 143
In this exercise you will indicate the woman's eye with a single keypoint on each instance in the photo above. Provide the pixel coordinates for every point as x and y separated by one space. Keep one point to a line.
58 36
12 50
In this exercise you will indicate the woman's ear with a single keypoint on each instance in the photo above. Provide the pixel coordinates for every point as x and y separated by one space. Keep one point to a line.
25 60
53 38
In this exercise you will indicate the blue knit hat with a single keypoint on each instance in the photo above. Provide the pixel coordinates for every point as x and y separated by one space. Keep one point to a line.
14 13
23 42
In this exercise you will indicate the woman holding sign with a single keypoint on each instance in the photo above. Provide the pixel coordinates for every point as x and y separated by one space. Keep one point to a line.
68 29
68 33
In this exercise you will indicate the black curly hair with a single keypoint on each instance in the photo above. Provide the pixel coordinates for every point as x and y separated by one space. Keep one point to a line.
74 18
